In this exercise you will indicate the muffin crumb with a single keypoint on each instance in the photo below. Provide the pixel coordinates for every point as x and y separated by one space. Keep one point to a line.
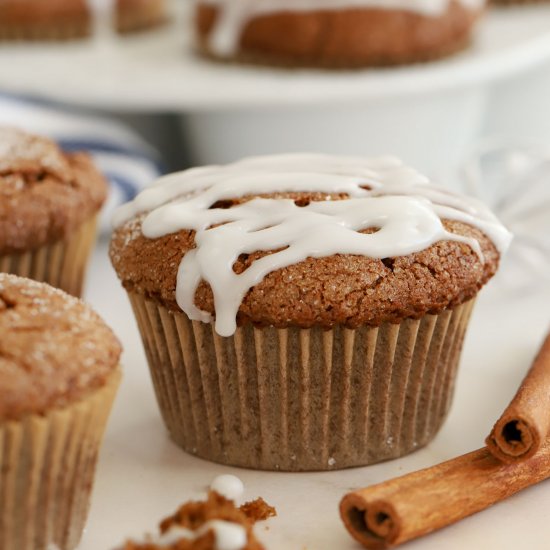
195 517
258 510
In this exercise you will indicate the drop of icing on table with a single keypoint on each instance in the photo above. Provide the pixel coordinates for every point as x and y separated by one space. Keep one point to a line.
402 205
103 17
235 14
229 486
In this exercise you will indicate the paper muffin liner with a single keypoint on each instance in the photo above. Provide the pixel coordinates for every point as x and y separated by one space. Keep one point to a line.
302 399
61 263
47 466
54 31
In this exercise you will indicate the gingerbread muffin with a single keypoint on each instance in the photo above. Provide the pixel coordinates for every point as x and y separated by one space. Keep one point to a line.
69 19
331 33
303 312
209 525
58 377
49 201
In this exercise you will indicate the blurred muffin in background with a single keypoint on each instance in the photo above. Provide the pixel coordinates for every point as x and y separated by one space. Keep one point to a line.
331 33
71 19
127 161
49 202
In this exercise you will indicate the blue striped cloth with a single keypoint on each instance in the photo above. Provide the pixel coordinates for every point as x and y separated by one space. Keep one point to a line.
127 161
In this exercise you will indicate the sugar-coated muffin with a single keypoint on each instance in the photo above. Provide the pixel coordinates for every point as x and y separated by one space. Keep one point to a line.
49 201
303 312
213 524
70 19
58 377
334 33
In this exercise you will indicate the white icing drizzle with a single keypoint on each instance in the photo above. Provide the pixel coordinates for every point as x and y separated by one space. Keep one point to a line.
383 193
230 487
229 535
235 14
103 17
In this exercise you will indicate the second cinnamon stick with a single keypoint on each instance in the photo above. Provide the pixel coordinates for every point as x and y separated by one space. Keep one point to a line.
404 508
524 425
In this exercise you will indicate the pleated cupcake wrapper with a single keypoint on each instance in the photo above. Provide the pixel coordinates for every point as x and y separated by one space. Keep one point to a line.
302 399
49 31
47 465
61 263
138 17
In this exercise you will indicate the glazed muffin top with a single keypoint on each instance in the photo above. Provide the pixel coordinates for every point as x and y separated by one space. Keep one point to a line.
305 240
54 349
44 193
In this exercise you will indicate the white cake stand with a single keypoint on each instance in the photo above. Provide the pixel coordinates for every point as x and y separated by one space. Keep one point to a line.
429 114
158 71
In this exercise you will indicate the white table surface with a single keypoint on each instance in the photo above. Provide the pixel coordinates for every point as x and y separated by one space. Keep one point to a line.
143 477
159 71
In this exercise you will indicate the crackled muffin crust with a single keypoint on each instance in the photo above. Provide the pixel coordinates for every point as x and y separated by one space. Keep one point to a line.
45 194
341 289
54 349
352 36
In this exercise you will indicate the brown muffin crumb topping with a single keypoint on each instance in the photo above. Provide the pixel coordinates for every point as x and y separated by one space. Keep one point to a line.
194 515
258 510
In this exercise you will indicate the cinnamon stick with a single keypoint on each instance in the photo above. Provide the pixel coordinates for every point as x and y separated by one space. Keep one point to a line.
525 424
405 508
